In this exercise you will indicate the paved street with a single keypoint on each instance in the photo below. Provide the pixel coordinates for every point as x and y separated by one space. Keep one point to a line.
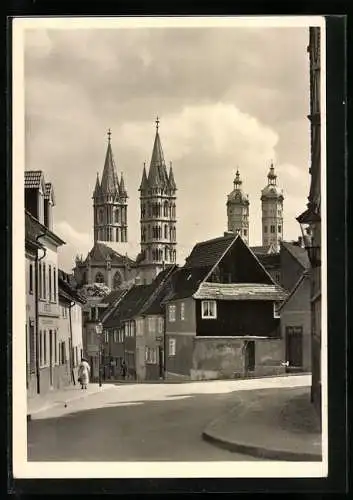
141 422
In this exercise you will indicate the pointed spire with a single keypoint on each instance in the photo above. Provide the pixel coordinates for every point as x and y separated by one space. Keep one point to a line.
171 178
144 181
157 176
123 191
97 189
109 184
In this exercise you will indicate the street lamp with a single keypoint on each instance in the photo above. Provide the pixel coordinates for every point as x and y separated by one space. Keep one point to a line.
99 331
307 220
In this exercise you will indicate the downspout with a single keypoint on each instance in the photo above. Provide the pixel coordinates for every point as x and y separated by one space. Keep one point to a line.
37 260
72 303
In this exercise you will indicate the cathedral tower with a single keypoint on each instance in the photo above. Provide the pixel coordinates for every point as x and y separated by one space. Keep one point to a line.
272 212
110 203
158 214
238 210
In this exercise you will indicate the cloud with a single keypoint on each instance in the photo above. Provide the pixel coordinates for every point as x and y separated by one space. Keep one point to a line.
76 242
226 98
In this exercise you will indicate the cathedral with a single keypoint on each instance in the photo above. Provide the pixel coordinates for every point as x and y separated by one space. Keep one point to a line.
108 261
271 208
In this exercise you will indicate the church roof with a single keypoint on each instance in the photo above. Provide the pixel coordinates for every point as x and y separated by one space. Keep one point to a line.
100 252
97 189
109 183
122 186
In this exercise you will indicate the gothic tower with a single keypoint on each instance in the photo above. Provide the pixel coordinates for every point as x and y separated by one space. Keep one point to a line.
272 212
158 214
110 203
238 210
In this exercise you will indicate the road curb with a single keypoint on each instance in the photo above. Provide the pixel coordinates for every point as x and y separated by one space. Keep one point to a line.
63 402
260 451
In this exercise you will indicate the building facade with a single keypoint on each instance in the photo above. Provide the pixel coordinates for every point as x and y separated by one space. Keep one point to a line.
158 215
221 319
238 210
311 218
272 211
39 203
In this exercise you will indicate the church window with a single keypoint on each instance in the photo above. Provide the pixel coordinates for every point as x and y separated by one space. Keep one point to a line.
279 229
149 231
166 254
117 218
159 210
166 209
100 215
117 280
99 278
165 231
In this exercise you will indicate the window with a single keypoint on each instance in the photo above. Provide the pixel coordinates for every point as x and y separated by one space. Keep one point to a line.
121 335
273 229
44 282
44 347
40 347
30 278
99 278
245 232
117 280
182 311
106 336
265 229
54 283
209 309
40 293
279 229
172 347
55 348
62 353
160 325
151 355
50 285
151 324
276 313
115 336
172 311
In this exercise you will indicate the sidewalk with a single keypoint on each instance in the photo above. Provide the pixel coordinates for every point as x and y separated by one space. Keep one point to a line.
274 424
62 396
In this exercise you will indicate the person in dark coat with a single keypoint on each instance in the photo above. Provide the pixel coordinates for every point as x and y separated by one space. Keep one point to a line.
123 369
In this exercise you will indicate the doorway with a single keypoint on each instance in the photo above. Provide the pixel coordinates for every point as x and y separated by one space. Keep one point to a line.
294 348
250 356
51 357
161 361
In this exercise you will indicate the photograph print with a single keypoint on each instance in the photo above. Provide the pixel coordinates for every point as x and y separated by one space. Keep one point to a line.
169 277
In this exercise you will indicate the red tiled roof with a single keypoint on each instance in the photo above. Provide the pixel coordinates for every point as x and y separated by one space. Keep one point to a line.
240 291
33 178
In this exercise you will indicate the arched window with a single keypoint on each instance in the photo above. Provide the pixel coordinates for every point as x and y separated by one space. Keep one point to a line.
159 210
117 234
166 253
99 278
166 209
117 280
117 215
100 215
165 231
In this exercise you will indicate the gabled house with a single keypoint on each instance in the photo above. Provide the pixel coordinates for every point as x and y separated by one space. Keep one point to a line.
295 311
222 318
69 351
134 330
39 203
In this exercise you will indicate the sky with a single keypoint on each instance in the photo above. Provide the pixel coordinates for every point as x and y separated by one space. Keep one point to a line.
226 98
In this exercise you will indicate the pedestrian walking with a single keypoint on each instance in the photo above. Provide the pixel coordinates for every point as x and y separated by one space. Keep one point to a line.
84 373
123 369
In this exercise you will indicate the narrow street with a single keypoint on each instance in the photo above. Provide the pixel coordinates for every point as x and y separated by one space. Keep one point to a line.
142 422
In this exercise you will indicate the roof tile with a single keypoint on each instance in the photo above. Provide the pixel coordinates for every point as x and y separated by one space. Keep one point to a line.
240 291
